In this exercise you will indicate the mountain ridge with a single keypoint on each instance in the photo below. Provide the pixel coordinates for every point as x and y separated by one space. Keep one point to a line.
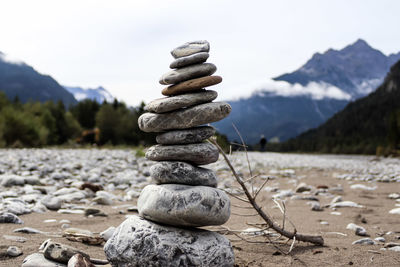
352 72
20 79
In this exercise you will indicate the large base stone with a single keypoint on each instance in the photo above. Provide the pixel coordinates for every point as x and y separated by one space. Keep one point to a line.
184 205
138 242
177 172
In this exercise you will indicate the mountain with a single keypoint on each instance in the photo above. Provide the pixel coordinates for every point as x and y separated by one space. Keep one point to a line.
99 94
295 102
362 126
20 79
357 69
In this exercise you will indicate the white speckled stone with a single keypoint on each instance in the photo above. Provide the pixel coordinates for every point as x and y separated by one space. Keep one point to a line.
138 242
184 205
191 48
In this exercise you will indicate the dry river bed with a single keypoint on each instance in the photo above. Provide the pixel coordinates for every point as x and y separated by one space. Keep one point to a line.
342 198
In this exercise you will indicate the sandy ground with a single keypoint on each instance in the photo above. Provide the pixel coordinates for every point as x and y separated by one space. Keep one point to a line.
337 251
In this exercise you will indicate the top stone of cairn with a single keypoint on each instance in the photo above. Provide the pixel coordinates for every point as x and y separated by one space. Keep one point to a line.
191 48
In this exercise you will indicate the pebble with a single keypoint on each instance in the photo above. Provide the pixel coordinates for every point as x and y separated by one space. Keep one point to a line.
189 60
176 172
186 118
380 239
27 230
186 136
193 85
395 211
60 252
394 196
8 180
106 234
38 260
363 187
188 73
302 187
198 154
344 204
315 206
359 230
167 104
14 251
166 246
184 205
364 241
70 211
7 217
79 261
336 213
191 48
19 239
52 202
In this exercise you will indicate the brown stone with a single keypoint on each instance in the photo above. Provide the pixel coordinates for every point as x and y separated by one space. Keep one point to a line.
191 85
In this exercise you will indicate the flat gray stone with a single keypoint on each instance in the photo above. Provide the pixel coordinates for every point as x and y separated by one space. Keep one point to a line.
191 48
184 205
189 60
138 242
166 104
187 136
185 118
176 172
38 259
187 73
61 253
7 217
52 202
14 251
198 154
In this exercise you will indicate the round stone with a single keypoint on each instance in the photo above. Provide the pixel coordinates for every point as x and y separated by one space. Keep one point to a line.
166 104
184 205
138 242
191 85
189 60
177 172
187 73
186 136
198 154
191 48
184 118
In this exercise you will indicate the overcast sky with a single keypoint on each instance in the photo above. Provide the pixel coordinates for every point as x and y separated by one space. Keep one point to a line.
124 45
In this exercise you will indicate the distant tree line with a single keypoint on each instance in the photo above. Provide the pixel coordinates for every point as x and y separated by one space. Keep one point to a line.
36 124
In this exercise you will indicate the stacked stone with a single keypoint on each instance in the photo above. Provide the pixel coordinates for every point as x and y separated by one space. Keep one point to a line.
185 195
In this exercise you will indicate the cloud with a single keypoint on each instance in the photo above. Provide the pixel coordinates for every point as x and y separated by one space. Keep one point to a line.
8 59
315 90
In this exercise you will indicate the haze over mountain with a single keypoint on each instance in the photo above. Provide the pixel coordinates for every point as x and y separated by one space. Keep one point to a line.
19 79
361 126
295 102
357 69
99 94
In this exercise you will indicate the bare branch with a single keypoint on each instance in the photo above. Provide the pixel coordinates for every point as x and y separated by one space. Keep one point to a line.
318 240
259 189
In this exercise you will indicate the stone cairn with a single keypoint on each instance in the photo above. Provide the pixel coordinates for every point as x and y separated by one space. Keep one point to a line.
185 195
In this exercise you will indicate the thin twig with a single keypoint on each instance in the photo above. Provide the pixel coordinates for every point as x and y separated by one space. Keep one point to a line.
318 240
247 156
238 214
262 186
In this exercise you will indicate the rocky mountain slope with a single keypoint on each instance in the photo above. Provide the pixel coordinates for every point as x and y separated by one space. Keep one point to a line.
307 97
100 94
20 79
361 126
